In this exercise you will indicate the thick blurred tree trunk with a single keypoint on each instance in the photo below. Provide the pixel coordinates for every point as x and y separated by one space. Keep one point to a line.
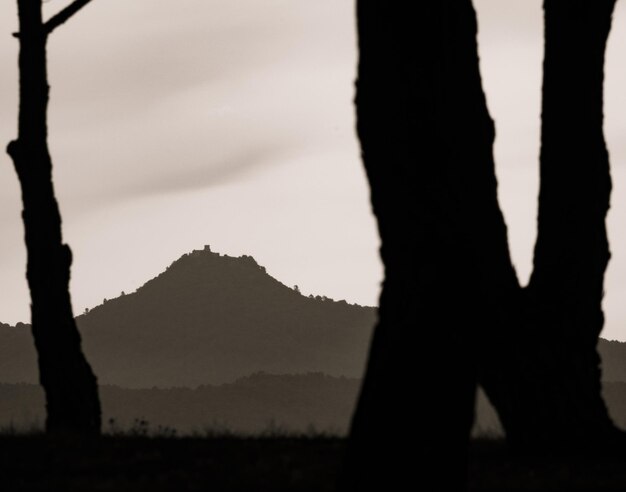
426 139
452 312
72 401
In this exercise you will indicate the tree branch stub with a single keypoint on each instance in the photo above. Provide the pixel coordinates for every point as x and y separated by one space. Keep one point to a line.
64 15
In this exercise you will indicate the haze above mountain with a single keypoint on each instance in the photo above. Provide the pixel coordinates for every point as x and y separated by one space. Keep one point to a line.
212 319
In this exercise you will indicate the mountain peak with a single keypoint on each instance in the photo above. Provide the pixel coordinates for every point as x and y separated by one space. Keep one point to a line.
212 275
210 318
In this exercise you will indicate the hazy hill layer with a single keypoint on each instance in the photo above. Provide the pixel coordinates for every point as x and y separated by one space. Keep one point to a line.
208 319
211 319
254 404
613 355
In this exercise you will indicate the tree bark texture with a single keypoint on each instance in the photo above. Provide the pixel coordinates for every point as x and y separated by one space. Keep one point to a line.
72 401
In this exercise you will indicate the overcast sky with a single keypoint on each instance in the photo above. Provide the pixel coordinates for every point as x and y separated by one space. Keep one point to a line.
175 124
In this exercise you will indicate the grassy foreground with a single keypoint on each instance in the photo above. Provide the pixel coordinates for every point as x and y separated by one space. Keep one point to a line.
143 463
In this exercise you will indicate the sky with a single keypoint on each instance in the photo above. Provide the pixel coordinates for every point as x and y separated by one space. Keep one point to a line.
179 124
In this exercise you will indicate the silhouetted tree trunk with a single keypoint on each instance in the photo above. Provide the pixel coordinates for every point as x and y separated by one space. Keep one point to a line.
426 139
561 405
72 401
452 311
542 373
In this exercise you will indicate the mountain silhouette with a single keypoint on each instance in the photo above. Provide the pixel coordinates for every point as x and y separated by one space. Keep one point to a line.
208 319
212 319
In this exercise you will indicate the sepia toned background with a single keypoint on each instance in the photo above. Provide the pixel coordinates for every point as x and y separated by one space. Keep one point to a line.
179 124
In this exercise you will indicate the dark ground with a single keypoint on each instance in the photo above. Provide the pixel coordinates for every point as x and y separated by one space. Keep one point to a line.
140 463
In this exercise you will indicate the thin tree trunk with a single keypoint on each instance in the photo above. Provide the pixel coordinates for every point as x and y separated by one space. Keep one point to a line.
571 254
548 394
426 140
72 401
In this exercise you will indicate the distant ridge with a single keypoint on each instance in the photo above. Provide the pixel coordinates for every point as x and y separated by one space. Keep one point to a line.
212 319
249 405
208 319
254 405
